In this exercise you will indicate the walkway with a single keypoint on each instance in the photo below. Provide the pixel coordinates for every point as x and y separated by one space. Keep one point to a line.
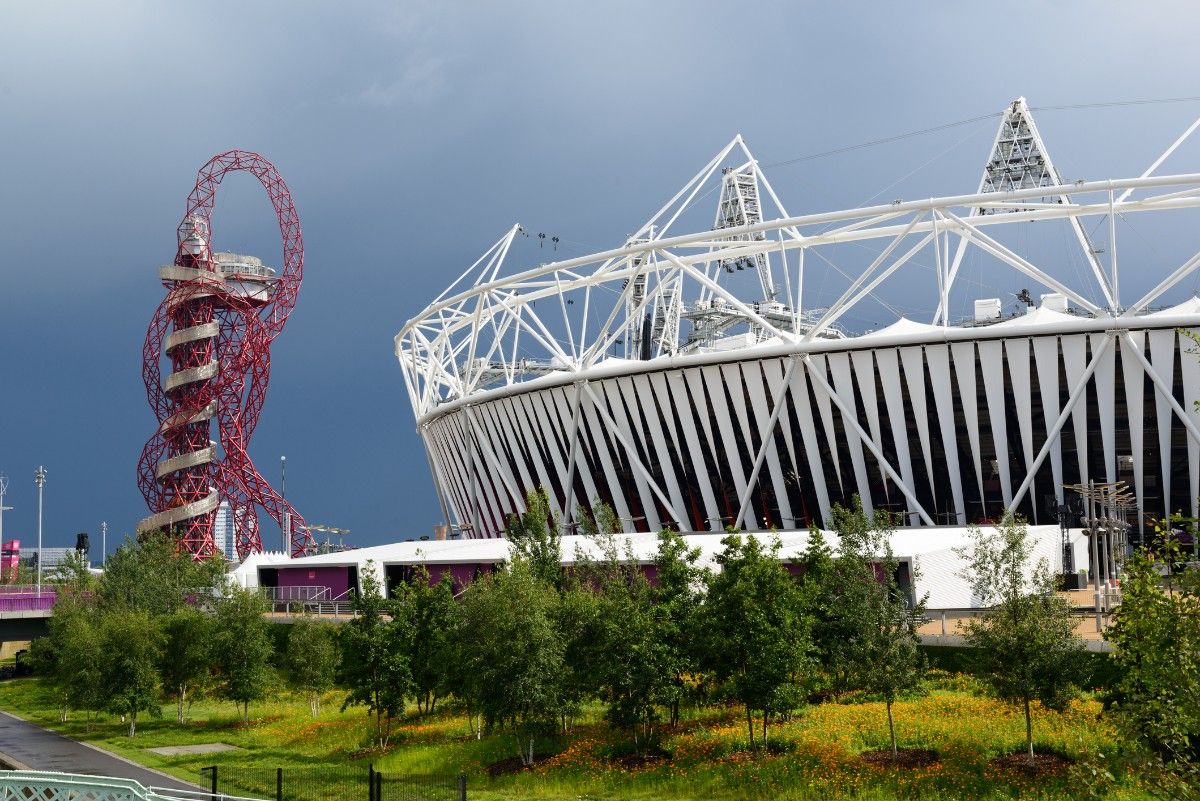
36 748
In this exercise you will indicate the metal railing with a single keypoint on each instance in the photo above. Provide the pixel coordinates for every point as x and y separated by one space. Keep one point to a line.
331 783
36 785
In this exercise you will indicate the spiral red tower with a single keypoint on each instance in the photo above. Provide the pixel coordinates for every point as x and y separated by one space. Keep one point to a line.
215 327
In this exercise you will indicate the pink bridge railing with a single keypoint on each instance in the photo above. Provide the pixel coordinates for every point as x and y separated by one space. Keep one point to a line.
16 598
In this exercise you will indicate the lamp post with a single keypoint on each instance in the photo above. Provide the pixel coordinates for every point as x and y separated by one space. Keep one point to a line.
103 543
39 478
3 508
286 521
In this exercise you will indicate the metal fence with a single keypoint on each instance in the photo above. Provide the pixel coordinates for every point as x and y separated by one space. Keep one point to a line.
331 783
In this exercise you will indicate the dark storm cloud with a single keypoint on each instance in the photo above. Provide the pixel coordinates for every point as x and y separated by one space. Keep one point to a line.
412 135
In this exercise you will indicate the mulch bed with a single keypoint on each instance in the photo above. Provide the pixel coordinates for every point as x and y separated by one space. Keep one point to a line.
632 761
1043 764
904 758
512 765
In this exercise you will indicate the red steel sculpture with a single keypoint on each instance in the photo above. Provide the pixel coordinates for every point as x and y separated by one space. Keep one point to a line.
215 326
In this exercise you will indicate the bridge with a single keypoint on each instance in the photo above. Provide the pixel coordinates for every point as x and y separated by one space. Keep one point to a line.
23 615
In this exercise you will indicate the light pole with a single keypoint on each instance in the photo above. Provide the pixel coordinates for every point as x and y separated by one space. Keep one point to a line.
3 508
286 521
103 542
39 478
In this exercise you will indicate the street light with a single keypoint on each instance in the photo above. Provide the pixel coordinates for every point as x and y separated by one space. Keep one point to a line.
3 508
285 521
39 478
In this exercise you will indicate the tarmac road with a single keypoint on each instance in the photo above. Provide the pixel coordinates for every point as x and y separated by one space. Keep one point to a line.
35 748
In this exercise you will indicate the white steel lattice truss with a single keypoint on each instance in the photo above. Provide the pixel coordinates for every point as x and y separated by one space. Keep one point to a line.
640 377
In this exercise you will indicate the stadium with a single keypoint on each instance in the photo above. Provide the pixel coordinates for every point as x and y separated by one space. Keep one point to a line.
689 378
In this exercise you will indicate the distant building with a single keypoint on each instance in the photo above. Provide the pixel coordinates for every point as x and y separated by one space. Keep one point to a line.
224 536
51 557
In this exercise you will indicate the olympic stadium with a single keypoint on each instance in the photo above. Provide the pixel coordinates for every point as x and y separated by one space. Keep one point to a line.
695 376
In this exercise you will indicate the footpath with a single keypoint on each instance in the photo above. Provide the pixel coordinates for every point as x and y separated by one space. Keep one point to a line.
27 746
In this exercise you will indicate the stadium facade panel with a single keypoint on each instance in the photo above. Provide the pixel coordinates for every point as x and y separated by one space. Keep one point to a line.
963 416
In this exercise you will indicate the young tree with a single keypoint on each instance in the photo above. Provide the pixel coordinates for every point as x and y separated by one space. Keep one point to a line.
152 575
70 657
514 652
431 605
757 632
132 650
885 657
625 654
242 648
375 666
187 655
535 537
677 598
1025 643
312 659
1156 631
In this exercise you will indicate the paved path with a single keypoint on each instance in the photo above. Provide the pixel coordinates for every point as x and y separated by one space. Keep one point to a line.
41 749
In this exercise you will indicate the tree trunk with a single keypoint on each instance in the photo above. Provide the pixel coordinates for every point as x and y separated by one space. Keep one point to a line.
133 724
246 713
750 724
1029 732
892 730
182 700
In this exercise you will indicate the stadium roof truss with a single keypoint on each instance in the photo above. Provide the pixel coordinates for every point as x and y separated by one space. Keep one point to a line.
490 333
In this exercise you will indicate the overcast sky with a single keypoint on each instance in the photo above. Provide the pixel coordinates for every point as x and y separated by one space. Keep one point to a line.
413 134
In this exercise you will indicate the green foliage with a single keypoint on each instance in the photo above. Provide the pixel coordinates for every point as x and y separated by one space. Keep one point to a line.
242 648
1156 632
756 630
153 576
131 642
431 609
513 651
1025 642
312 659
187 655
535 537
883 650
677 598
73 572
629 652
376 670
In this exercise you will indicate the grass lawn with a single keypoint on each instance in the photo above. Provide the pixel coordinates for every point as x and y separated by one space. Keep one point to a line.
816 755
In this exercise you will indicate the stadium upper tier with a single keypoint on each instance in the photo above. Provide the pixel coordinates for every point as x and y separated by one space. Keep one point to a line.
689 379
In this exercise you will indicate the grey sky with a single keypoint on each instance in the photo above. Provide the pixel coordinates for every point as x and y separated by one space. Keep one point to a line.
413 134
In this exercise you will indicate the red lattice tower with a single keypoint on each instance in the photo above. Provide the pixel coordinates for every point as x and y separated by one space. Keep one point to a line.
215 326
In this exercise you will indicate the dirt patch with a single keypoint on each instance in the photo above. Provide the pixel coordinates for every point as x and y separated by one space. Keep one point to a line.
903 758
513 764
634 761
1043 764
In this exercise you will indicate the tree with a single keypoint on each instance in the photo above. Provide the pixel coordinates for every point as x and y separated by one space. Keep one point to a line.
1156 632
431 605
375 666
757 633
187 655
312 659
514 652
132 649
1025 643
242 648
885 655
151 574
534 536
70 657
677 598
625 655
